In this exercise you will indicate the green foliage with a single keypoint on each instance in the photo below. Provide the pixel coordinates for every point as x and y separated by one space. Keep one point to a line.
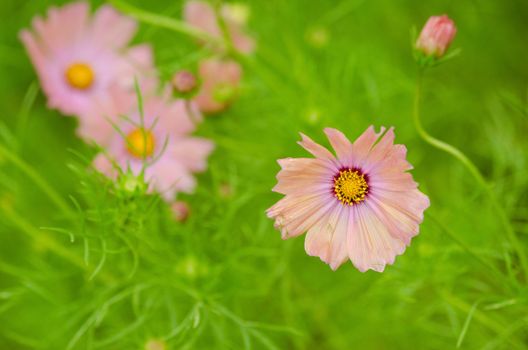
88 264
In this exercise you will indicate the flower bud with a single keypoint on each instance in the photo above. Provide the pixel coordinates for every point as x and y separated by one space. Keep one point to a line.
220 82
129 184
225 190
184 82
436 36
180 211
155 344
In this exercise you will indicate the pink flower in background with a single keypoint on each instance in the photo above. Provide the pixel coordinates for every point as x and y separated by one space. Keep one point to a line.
162 147
220 81
201 15
98 124
360 205
95 125
83 61
436 36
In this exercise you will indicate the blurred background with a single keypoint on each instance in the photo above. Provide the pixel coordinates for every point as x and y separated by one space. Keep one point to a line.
85 267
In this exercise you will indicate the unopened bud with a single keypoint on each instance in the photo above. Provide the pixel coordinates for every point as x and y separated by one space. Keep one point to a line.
225 190
180 210
184 82
436 36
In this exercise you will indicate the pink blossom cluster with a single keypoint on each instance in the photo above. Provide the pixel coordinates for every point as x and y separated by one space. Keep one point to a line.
88 69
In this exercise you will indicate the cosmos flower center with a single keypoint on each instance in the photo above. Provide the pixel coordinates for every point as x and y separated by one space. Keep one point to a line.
80 75
140 143
350 186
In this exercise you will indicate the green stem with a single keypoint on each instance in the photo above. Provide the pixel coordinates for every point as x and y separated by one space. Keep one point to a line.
37 179
48 242
481 317
162 21
225 30
462 158
467 248
42 238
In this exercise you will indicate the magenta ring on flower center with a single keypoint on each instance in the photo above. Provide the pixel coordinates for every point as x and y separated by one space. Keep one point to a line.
350 186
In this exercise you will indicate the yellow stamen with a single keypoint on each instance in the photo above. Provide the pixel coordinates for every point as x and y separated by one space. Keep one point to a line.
350 187
140 143
80 76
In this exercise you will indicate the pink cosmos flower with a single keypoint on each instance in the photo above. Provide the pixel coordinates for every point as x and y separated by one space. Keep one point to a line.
436 36
220 80
361 204
201 15
161 146
98 124
82 60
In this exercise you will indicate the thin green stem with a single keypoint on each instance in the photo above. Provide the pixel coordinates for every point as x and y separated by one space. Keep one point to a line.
225 30
480 317
42 237
455 152
38 180
48 242
162 21
462 158
467 248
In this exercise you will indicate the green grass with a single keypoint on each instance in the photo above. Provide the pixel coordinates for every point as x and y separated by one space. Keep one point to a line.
85 266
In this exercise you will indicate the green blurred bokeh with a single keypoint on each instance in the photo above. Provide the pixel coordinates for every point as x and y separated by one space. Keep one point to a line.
225 279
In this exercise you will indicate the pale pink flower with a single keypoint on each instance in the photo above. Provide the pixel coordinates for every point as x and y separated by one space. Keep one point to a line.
98 124
80 58
220 80
201 15
361 204
436 36
161 147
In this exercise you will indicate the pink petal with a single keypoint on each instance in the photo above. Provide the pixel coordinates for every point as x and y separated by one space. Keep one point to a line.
241 41
340 143
201 15
328 239
364 143
382 148
140 57
411 202
294 215
370 244
217 73
300 174
192 152
396 217
317 150
35 51
112 29
64 26
168 177
96 130
74 18
386 157
174 115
